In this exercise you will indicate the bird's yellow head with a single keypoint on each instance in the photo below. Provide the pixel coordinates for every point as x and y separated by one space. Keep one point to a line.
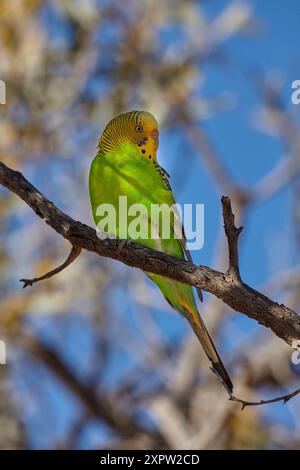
139 128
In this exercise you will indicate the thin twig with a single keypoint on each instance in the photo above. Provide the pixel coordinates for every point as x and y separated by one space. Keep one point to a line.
283 398
75 252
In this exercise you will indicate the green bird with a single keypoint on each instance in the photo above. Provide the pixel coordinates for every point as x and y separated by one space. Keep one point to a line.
126 165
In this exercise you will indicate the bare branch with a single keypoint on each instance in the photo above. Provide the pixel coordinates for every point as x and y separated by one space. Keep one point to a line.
232 234
97 403
284 322
284 398
285 173
212 161
75 252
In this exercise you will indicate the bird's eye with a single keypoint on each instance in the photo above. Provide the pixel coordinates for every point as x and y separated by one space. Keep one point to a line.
139 129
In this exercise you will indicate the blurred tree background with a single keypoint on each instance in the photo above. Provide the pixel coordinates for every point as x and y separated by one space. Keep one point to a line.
95 357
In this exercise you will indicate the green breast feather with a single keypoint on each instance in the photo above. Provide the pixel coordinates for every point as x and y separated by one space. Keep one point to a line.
125 173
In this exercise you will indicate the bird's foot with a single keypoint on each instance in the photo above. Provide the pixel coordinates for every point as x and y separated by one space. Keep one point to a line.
125 243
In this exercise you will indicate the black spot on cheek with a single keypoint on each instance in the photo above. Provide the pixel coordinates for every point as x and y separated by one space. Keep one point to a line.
143 151
150 157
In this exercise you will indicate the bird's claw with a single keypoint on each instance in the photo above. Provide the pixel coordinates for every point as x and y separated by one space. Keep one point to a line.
27 282
125 243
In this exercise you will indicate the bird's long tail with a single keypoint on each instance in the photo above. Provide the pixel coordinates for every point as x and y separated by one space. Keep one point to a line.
202 334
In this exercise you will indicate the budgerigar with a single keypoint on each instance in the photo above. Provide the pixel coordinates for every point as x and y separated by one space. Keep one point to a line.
126 165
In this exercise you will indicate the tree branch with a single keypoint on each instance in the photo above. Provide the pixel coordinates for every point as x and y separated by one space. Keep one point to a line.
284 322
283 398
75 252
232 234
97 403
